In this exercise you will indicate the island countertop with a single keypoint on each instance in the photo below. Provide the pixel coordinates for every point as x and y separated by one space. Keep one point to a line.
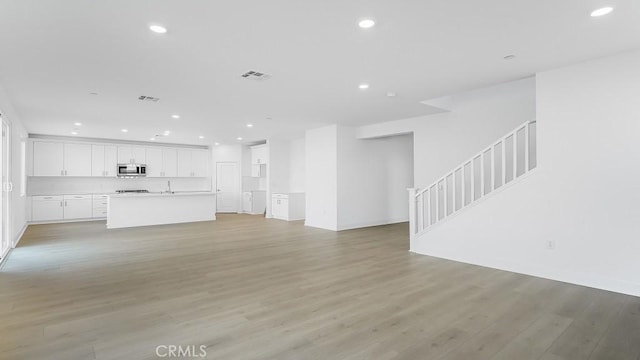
156 194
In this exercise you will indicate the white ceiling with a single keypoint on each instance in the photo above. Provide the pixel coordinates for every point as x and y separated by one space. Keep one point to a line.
54 53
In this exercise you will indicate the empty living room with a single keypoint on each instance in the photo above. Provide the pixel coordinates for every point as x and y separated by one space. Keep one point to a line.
423 179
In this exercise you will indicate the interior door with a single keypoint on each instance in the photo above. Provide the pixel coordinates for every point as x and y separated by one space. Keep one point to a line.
227 187
7 186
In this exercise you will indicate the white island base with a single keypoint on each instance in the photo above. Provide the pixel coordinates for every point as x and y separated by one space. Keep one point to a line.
129 210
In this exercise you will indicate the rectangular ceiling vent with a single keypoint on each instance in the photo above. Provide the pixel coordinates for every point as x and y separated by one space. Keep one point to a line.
255 75
148 98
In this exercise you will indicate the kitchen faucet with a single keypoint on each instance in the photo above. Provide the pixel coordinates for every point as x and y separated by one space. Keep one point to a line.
169 185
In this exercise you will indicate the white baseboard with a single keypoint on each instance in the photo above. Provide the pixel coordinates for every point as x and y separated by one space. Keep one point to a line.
16 239
372 223
64 221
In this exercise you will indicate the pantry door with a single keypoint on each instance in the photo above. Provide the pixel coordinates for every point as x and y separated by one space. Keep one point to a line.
227 187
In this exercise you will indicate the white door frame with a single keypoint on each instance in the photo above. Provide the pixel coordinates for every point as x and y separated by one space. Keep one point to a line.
6 243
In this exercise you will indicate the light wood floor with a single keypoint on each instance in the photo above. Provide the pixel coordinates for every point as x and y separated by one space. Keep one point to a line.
250 288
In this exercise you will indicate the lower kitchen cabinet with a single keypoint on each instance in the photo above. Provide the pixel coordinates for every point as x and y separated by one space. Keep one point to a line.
61 207
288 207
77 207
100 206
47 208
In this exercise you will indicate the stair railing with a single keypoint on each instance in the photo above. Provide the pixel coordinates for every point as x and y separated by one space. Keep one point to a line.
497 165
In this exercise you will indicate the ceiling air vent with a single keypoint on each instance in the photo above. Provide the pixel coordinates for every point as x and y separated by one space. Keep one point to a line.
255 75
148 98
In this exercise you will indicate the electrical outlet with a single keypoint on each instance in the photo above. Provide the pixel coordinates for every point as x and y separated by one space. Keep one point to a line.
551 244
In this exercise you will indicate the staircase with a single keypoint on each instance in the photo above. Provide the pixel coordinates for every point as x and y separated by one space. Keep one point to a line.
499 165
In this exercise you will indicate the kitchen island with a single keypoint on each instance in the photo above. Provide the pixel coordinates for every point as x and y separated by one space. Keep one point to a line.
143 209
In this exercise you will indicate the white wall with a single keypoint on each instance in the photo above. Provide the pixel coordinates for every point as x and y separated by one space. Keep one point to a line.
321 150
297 166
352 183
477 118
373 176
584 196
18 135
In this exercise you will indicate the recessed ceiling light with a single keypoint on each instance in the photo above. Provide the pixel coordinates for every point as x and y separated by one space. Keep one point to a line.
602 11
391 94
152 139
363 86
77 123
249 125
74 133
124 130
200 137
239 138
158 29
367 23
509 57
175 116
216 144
167 132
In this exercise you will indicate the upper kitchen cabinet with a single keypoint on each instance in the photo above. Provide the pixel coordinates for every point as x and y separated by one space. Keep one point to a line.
200 159
61 159
170 162
77 159
161 162
154 162
104 160
259 154
192 163
128 154
48 159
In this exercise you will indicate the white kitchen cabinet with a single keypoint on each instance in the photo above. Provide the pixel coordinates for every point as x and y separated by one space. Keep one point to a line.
258 170
132 154
99 203
154 162
77 159
65 207
48 158
170 162
47 208
184 163
199 162
288 207
104 160
61 159
77 207
110 160
259 154
162 162
192 163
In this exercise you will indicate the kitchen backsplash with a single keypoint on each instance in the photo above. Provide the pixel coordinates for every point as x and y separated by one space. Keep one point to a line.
97 185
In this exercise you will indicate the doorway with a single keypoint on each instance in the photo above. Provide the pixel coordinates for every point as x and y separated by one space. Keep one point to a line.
227 187
7 187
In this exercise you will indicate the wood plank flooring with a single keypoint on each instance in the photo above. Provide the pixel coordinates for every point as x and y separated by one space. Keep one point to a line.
251 288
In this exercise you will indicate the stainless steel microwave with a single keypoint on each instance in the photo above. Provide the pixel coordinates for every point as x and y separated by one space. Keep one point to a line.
132 170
